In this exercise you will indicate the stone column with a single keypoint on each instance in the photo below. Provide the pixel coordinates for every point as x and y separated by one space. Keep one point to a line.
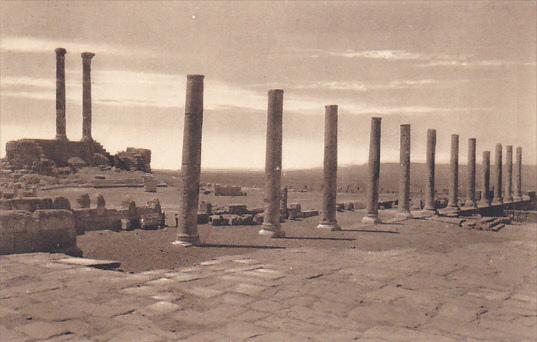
518 175
374 173
328 211
508 174
485 181
498 176
187 227
470 186
60 94
453 197
273 165
86 95
404 172
430 202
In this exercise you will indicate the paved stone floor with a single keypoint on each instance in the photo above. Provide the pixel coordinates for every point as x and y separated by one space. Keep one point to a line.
480 291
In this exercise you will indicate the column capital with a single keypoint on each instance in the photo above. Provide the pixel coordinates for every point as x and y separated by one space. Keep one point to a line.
60 51
87 55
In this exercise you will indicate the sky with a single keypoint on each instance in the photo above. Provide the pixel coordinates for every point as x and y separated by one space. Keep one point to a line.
460 67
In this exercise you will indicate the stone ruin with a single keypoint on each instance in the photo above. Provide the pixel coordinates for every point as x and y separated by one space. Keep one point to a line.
45 156
44 224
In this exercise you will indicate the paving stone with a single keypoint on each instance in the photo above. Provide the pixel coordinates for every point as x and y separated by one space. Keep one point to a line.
42 330
237 299
203 292
248 289
238 331
206 336
184 277
389 333
159 308
159 282
12 335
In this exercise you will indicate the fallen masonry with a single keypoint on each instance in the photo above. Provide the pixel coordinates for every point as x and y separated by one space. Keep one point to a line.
44 224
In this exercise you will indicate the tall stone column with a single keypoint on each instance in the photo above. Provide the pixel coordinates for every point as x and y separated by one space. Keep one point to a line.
86 95
453 197
518 175
508 174
470 187
187 227
328 211
374 173
498 199
60 94
404 172
430 202
273 165
485 180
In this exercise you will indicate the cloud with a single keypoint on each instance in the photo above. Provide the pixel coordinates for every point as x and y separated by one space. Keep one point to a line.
140 89
474 63
399 55
364 86
421 59
42 45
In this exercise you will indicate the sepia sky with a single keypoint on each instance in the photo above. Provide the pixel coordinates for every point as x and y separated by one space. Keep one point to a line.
460 67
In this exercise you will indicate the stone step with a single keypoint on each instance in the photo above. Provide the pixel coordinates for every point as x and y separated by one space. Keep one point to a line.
100 264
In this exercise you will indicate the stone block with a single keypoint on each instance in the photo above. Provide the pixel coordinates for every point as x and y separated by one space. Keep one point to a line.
61 202
5 204
237 209
31 203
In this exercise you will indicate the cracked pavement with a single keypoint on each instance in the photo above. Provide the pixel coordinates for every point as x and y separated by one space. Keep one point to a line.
476 291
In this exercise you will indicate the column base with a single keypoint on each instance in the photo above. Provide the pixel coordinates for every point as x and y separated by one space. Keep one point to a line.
497 201
470 204
87 139
508 199
333 226
271 230
186 241
61 137
370 219
517 198
483 204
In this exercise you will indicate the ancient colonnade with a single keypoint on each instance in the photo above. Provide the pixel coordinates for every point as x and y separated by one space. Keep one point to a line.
187 232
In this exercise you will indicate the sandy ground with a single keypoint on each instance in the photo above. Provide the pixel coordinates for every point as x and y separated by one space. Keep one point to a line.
146 250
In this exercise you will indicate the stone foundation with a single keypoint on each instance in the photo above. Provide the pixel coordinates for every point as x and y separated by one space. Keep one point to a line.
48 230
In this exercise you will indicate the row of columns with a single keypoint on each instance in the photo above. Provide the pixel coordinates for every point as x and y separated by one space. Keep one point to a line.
60 95
187 232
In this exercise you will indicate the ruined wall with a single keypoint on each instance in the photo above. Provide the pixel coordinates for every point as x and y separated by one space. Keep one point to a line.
36 154
41 231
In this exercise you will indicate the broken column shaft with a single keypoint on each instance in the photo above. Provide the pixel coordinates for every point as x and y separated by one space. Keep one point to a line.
273 165
328 210
518 175
374 173
498 176
508 174
86 95
453 196
60 94
187 227
470 186
430 202
404 171
485 180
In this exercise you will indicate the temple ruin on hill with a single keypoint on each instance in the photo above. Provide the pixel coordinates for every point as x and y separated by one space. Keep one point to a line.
45 155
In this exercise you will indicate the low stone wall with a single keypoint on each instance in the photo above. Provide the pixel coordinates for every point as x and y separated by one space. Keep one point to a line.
89 219
49 230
